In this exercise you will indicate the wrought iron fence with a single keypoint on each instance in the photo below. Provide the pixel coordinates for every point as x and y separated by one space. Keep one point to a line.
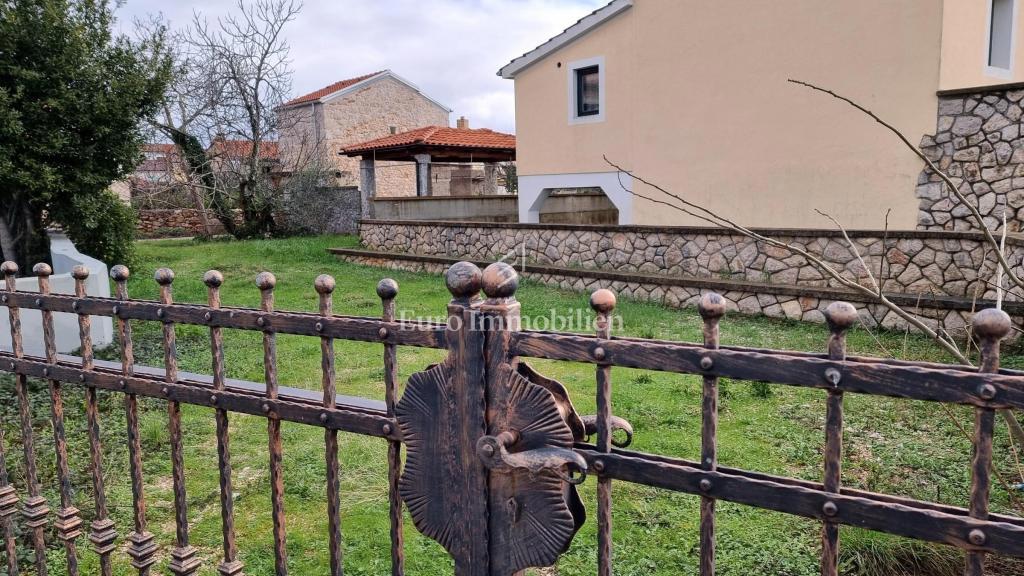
494 450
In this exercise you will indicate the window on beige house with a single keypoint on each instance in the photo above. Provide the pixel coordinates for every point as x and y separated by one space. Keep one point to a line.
588 91
1000 40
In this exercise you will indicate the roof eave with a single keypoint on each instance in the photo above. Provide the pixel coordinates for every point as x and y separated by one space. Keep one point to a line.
376 77
570 35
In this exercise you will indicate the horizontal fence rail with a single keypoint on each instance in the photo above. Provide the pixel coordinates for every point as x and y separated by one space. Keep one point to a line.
972 528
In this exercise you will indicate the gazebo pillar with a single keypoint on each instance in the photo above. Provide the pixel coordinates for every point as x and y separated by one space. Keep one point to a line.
422 174
367 185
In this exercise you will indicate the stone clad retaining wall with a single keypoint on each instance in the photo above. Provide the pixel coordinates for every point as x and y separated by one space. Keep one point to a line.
937 272
979 143
170 222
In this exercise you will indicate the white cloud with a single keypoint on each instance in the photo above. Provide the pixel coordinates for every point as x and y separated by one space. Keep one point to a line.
451 49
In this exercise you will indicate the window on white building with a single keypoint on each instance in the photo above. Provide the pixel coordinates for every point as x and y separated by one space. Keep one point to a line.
1000 39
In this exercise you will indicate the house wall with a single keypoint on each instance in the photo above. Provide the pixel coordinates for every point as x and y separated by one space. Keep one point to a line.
965 28
697 101
370 113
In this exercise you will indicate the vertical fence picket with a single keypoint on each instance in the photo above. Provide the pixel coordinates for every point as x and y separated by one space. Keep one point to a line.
34 508
230 565
324 286
141 544
990 326
603 303
266 281
840 316
387 290
101 531
183 557
8 496
68 523
711 309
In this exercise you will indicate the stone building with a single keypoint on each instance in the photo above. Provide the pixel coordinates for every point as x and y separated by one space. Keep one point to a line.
316 127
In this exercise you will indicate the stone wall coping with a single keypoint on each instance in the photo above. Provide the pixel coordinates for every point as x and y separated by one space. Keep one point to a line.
981 89
721 284
1015 238
438 198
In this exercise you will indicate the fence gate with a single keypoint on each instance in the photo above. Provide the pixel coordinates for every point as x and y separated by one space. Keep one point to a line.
494 450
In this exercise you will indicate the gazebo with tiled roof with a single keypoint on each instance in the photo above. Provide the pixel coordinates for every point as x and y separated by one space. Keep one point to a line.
429 144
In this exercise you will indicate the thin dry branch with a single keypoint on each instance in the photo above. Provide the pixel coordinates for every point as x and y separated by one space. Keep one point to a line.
989 238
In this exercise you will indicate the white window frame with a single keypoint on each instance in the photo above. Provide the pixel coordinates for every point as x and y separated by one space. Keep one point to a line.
601 90
996 71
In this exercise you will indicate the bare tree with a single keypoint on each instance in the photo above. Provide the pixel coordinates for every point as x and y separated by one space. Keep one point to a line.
248 61
873 292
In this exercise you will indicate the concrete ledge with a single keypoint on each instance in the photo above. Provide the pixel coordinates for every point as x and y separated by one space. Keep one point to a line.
810 298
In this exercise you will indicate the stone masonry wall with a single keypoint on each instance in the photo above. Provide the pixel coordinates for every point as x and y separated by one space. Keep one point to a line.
364 115
166 223
914 262
370 113
979 143
807 305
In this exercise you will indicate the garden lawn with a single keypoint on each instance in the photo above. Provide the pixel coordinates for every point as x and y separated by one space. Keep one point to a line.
902 447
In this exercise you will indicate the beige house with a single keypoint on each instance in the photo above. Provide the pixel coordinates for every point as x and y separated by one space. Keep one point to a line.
693 96
316 127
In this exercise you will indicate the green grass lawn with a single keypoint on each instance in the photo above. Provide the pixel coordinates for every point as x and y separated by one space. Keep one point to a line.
896 446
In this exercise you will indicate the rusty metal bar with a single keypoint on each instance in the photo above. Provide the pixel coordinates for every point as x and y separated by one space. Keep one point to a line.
991 326
142 546
711 309
8 495
387 290
357 328
8 508
34 508
68 523
603 303
871 512
102 534
183 556
360 417
230 565
266 281
951 385
324 286
840 316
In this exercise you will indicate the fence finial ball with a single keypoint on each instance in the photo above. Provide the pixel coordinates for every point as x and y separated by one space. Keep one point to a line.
213 278
324 284
841 315
992 323
711 305
602 301
120 273
463 279
8 268
500 280
387 289
42 269
266 281
164 276
80 272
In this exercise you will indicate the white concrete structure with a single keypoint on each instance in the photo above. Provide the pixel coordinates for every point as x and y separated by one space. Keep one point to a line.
64 257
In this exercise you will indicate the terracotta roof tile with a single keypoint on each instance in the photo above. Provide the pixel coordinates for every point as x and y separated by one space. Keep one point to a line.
439 136
328 90
163 148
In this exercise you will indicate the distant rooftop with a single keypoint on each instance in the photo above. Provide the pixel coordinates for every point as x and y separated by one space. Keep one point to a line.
440 141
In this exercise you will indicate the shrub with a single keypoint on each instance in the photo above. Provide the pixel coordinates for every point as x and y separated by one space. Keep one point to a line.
103 227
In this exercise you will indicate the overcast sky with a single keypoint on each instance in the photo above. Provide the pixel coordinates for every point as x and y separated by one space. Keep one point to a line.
451 49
